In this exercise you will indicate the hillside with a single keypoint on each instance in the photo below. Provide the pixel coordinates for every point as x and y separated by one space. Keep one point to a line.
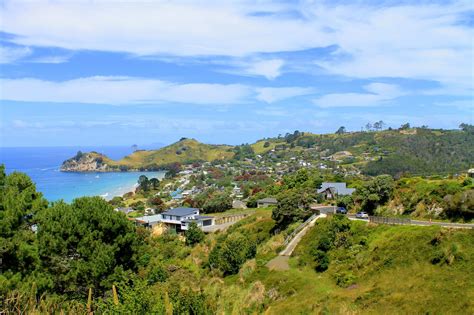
184 151
395 152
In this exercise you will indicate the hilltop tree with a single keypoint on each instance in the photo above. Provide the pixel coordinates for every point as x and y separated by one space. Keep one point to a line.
379 125
368 126
341 130
405 126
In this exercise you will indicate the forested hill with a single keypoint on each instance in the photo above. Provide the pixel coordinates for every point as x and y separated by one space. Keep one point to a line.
405 150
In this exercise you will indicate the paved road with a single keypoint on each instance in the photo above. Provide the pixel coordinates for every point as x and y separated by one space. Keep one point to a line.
281 261
292 244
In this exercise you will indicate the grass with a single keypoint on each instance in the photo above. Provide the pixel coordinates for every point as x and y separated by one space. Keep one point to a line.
398 270
183 151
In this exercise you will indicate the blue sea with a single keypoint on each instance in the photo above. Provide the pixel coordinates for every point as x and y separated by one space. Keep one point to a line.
42 165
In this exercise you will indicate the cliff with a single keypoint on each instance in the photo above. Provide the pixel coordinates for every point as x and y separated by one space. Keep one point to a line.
86 162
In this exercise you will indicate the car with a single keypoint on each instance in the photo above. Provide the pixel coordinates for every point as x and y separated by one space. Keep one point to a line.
341 210
362 215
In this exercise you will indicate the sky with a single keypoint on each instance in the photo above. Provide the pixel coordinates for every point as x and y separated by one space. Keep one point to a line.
120 73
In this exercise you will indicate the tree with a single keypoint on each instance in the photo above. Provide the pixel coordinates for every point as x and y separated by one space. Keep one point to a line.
217 202
194 234
341 130
375 192
86 244
266 144
405 126
379 125
155 183
229 255
293 205
143 183
368 126
20 204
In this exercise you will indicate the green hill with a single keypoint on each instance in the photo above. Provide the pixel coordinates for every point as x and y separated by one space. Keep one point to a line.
184 151
417 151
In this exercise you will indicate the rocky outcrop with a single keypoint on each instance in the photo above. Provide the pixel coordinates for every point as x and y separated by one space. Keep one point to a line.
86 162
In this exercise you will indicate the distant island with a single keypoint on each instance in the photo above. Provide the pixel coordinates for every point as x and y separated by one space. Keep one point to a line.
372 152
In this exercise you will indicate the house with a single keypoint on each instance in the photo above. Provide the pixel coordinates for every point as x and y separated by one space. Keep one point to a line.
266 202
238 204
177 219
470 173
125 210
332 190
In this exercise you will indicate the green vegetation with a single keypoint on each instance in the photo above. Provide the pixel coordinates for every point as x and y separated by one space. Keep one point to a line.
407 150
85 257
369 273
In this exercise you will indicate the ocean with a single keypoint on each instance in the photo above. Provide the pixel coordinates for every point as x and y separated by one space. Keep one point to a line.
42 165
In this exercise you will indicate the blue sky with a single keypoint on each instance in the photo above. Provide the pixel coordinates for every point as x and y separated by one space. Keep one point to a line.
116 73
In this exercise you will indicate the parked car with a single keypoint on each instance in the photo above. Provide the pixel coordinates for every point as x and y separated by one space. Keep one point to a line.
341 210
362 215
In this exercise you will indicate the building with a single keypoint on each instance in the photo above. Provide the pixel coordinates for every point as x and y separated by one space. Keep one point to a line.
177 219
266 202
470 173
332 190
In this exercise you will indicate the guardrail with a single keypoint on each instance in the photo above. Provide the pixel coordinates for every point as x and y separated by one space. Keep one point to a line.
387 220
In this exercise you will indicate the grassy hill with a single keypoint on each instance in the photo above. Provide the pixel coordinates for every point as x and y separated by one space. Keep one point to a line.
415 151
371 270
183 151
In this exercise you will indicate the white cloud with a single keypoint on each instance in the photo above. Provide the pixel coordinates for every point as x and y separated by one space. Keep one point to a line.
121 90
13 54
130 90
176 28
55 59
270 69
272 94
419 41
380 93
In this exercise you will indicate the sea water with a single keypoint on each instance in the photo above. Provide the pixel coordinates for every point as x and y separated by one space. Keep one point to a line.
42 165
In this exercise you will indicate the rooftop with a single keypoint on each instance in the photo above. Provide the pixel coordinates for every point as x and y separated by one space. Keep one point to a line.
268 200
182 211
340 188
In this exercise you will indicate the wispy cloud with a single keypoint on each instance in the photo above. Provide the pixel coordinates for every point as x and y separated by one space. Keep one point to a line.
13 54
130 90
272 94
378 93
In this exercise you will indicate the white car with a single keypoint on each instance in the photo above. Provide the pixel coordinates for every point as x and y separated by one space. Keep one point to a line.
362 215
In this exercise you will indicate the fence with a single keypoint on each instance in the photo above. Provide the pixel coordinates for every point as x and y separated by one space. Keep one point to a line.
386 220
299 228
232 217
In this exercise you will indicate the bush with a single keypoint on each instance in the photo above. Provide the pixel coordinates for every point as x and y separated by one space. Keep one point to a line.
194 234
232 253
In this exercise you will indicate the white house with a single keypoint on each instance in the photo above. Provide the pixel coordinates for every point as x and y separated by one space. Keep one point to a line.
177 219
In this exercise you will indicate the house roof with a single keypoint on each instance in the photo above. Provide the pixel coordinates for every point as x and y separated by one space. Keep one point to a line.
268 200
182 211
340 188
